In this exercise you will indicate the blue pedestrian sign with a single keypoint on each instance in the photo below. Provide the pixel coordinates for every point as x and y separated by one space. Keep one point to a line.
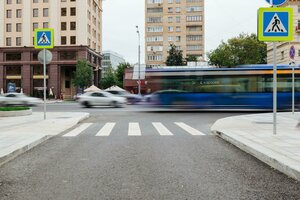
43 38
275 24
276 2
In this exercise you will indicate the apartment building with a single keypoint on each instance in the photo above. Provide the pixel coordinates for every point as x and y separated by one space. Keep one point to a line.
77 28
179 22
283 48
112 59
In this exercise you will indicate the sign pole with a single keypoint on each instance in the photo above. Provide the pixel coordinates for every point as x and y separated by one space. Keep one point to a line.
274 90
293 88
45 84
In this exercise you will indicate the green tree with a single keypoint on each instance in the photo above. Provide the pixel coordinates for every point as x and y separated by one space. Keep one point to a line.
244 49
191 58
83 74
175 57
109 78
120 73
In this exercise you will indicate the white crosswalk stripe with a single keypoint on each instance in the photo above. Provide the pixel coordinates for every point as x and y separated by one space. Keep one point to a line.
78 130
134 129
106 129
161 129
189 129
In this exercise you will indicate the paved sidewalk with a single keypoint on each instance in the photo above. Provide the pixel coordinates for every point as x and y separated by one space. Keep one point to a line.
19 134
254 135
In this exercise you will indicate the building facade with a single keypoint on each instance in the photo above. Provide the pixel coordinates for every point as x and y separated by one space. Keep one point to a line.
179 22
77 28
283 48
112 59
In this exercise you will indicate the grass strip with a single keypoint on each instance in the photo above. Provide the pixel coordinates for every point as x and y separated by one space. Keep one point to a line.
13 108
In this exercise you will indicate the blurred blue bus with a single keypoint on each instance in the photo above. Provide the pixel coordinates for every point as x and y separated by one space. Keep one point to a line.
243 87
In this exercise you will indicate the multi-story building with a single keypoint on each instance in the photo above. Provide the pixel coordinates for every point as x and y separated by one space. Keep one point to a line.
77 28
179 22
112 59
283 48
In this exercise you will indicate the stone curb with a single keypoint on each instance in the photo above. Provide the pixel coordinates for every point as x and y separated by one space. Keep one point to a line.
27 147
253 149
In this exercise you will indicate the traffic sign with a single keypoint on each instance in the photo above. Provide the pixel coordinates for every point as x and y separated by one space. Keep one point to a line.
292 52
47 54
276 2
44 38
275 24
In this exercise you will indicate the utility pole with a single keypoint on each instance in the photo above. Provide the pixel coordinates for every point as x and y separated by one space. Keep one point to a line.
139 62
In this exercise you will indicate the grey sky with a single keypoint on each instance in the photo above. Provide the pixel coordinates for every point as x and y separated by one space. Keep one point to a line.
224 19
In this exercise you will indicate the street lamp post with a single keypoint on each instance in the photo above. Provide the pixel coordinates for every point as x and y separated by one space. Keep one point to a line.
139 63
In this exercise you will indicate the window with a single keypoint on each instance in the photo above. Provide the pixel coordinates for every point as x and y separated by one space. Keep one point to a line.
13 56
8 13
170 1
45 12
298 9
67 55
178 38
35 26
19 13
73 39
170 28
35 1
19 27
8 1
170 10
177 28
73 11
63 26
19 1
196 18
35 12
178 9
73 25
8 27
282 55
45 1
45 25
63 11
18 41
8 41
170 19
63 40
178 19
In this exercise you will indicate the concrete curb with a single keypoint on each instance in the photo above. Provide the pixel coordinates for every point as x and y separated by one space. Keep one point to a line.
12 155
15 113
253 149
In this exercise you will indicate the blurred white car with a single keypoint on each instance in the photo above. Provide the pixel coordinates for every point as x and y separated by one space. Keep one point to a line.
131 98
101 98
10 99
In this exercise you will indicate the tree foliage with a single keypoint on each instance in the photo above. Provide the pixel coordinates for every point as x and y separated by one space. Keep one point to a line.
109 78
175 57
120 73
244 49
191 58
83 74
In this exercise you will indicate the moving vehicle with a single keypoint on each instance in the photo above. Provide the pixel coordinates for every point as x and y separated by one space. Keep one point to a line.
10 99
100 98
243 87
131 98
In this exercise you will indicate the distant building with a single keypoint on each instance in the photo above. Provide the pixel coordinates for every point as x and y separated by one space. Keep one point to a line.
112 59
283 48
179 22
77 28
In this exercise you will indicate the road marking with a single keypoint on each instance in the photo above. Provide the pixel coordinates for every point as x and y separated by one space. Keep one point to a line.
134 129
188 129
162 130
78 130
106 129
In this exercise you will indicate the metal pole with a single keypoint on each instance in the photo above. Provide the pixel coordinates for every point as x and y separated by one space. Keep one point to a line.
139 62
44 84
274 90
293 88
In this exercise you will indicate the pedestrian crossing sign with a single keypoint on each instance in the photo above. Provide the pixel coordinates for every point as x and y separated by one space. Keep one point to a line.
275 24
44 38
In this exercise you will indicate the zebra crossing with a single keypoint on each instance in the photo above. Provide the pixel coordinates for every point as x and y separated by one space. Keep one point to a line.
134 129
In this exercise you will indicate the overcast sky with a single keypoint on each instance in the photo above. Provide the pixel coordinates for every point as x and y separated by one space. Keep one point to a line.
223 19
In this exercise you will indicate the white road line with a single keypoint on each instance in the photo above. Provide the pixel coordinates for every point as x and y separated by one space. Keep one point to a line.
134 129
78 130
106 129
189 129
162 130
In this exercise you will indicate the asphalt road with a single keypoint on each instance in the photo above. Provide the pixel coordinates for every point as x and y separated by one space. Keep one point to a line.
146 166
